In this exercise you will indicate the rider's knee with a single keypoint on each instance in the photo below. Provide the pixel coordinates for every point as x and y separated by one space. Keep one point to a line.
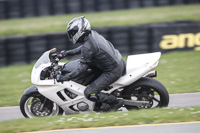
87 93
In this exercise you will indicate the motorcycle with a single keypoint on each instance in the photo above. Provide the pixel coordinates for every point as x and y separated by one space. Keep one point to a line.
47 97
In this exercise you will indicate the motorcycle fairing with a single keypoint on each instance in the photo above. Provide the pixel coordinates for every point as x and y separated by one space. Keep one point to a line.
137 66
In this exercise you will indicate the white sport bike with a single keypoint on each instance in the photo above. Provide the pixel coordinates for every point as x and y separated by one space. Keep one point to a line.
48 97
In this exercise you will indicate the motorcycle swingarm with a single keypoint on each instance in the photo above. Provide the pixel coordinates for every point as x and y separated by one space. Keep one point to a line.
135 103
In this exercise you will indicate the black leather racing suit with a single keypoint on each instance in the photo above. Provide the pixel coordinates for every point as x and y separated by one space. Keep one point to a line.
98 51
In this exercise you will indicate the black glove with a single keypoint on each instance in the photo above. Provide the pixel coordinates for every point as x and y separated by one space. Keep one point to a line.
62 54
61 78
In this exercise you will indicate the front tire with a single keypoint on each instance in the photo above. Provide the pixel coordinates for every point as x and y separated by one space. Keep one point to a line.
147 89
29 106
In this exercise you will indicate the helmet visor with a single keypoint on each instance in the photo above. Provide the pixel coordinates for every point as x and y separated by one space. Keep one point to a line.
72 32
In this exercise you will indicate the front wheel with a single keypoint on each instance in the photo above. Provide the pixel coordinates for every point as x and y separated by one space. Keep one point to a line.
30 107
149 90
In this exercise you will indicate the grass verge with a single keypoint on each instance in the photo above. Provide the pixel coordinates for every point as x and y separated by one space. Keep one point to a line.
49 24
135 117
178 71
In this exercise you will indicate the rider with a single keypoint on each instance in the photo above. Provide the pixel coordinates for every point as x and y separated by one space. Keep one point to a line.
96 50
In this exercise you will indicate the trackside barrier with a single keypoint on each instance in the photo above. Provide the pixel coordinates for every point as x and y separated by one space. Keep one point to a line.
164 37
32 8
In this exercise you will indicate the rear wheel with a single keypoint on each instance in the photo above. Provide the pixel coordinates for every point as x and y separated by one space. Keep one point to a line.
149 90
30 107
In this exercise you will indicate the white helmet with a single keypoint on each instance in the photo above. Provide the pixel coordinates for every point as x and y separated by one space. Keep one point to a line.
77 27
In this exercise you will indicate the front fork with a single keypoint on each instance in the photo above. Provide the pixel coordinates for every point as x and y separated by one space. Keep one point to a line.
43 101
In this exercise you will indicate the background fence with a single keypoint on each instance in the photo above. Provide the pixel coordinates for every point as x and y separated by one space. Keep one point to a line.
129 40
32 8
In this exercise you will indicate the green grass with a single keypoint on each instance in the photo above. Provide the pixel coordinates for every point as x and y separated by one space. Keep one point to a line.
178 71
13 82
135 117
109 18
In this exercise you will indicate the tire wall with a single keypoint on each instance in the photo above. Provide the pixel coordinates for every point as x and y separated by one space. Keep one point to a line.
164 37
10 9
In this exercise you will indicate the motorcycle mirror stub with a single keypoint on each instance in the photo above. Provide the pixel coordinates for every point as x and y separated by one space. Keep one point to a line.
53 50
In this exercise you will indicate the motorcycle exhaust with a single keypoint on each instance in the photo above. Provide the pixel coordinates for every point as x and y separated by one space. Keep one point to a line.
135 103
151 74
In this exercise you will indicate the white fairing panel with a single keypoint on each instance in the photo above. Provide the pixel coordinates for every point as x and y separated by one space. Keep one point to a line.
136 61
50 91
137 66
35 75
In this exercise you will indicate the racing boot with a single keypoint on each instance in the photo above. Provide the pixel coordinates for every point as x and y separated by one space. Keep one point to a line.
114 103
115 106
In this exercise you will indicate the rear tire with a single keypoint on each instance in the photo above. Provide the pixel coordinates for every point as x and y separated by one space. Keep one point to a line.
29 107
147 89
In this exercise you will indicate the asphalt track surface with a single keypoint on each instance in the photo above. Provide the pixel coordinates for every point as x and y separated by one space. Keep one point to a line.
184 127
176 100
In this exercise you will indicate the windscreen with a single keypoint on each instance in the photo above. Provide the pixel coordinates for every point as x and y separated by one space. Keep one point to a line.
44 59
